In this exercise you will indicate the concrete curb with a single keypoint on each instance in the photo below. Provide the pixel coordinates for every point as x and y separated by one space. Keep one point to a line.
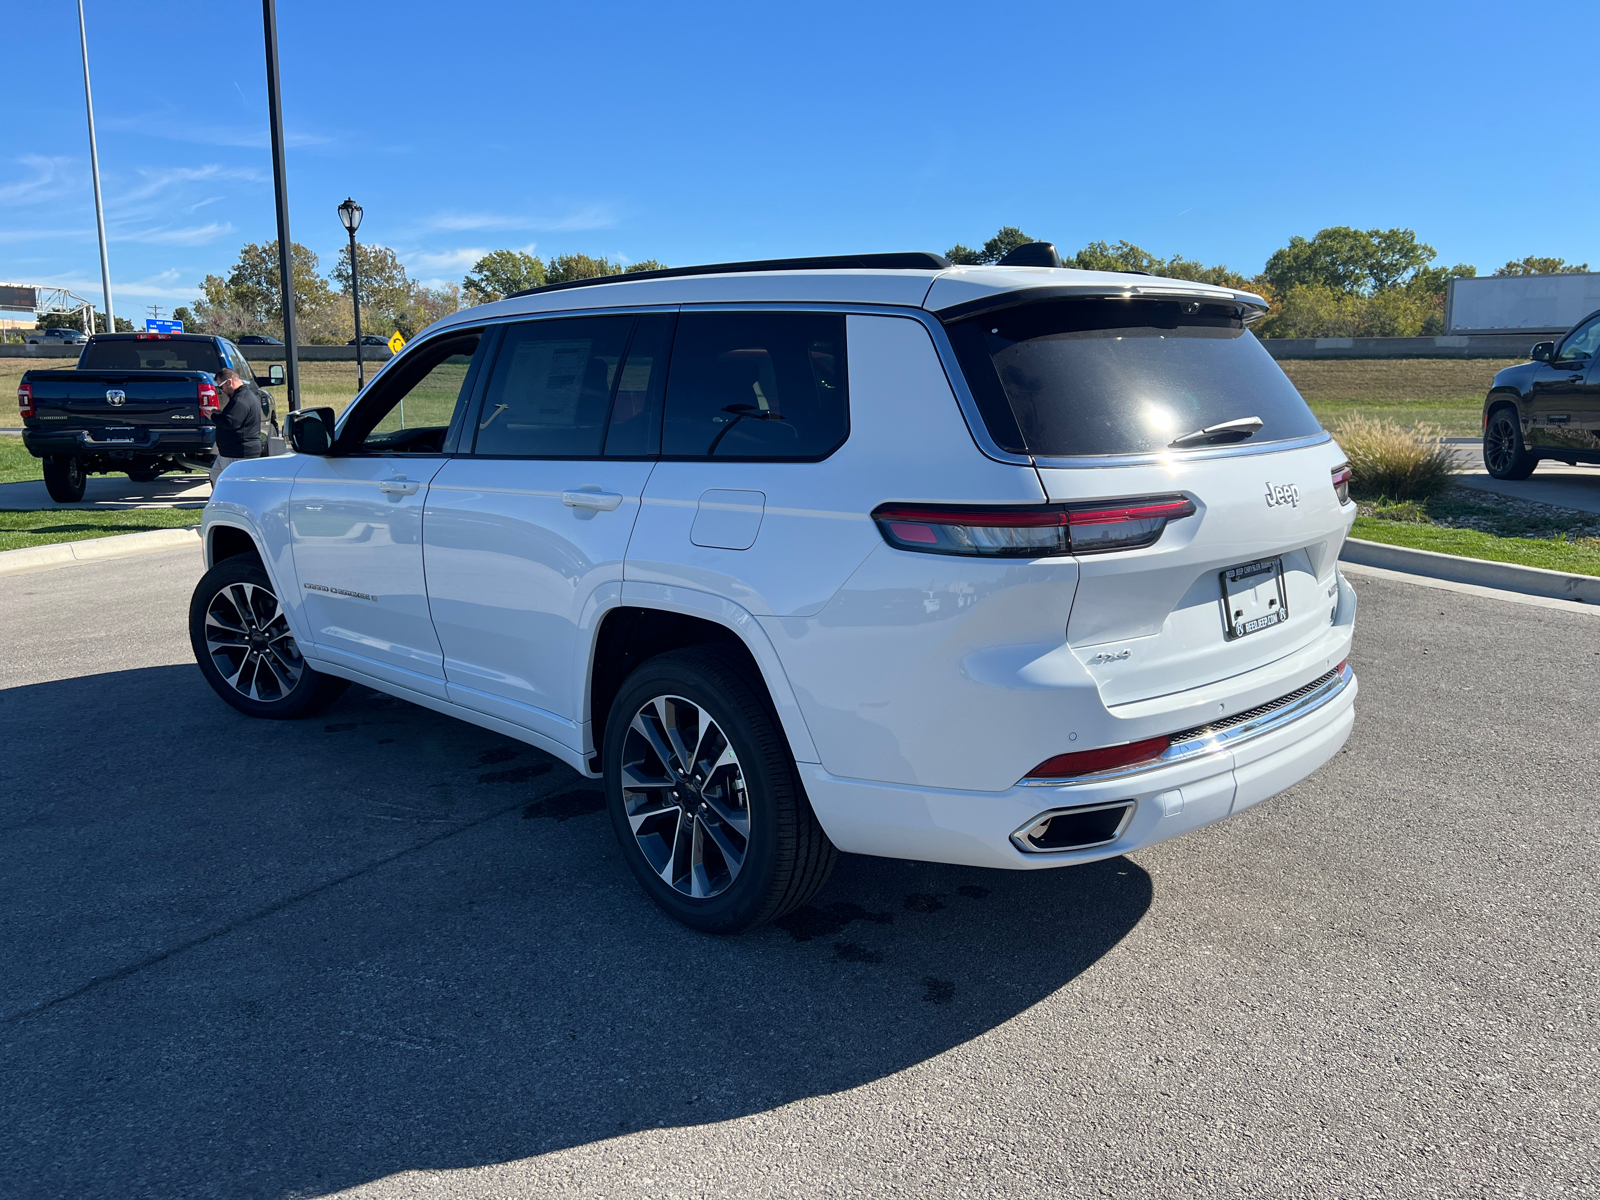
121 545
1531 581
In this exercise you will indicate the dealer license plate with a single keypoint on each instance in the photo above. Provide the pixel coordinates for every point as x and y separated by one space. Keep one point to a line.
117 435
1253 597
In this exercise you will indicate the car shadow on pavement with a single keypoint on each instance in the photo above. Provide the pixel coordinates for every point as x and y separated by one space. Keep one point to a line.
256 958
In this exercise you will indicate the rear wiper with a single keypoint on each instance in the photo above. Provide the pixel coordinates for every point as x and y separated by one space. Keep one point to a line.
1227 431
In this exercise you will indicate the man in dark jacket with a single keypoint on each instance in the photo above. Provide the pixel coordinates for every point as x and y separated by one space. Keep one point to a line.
238 420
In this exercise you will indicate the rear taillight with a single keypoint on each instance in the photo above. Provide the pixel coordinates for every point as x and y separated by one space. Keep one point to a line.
1341 482
25 398
1106 758
208 398
1034 531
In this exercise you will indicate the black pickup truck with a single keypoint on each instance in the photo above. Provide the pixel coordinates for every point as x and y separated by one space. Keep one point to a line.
139 403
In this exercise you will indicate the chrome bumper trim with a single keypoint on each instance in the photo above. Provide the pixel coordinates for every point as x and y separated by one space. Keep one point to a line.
1207 740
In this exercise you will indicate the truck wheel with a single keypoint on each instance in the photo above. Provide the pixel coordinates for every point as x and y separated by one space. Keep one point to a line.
65 479
704 796
242 642
1503 452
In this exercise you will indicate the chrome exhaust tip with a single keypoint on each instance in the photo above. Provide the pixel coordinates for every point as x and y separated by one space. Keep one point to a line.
1082 828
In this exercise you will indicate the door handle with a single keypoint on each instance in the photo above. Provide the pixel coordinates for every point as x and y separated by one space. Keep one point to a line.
399 487
604 501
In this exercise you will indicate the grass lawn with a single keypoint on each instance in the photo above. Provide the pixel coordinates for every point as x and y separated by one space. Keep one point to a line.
16 464
19 529
1476 524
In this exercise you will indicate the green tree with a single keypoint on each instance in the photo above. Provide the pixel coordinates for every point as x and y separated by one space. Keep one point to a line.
74 320
1348 260
565 268
648 264
1535 265
385 287
500 273
247 299
1007 239
188 318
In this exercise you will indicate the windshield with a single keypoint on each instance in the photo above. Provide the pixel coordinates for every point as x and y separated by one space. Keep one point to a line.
1062 378
154 354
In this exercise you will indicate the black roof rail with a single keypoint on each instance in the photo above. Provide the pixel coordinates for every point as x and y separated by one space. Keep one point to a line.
912 260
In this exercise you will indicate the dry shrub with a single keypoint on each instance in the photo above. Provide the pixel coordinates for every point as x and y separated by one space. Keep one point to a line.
1391 462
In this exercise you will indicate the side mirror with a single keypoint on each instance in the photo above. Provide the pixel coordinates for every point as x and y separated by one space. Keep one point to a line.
273 378
309 431
1542 351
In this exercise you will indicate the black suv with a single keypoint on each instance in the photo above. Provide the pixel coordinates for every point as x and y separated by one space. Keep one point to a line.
1546 408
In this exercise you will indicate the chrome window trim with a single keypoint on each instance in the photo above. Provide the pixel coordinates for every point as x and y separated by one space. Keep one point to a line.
1178 457
1020 841
1217 743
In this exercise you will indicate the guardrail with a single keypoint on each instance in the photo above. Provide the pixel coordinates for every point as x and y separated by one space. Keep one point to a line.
253 353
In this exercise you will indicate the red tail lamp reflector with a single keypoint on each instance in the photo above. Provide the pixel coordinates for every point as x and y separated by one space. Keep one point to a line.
208 398
1032 531
1341 482
152 337
25 398
1106 758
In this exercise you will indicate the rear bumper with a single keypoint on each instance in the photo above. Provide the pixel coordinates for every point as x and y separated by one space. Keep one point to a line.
198 442
1169 798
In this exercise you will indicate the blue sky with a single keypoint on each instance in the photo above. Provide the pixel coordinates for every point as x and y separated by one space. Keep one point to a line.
702 132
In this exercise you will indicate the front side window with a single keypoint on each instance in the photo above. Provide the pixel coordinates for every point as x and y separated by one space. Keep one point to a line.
409 408
1063 378
1581 344
549 395
757 386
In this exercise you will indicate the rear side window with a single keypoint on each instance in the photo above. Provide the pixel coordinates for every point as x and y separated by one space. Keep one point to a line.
757 386
155 354
549 395
1091 377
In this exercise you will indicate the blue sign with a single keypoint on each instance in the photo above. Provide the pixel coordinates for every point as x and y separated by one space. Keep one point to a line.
152 325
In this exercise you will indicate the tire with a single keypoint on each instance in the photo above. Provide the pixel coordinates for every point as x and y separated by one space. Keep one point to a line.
146 473
65 479
1504 455
761 851
242 642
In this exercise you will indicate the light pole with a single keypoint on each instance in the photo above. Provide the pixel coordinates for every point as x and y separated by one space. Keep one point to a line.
350 218
94 167
280 187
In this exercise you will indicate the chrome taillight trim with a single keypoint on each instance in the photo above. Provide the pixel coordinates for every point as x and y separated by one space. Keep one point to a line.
1201 741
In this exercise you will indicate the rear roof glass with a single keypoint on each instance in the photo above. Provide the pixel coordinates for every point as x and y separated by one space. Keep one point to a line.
1063 378
155 354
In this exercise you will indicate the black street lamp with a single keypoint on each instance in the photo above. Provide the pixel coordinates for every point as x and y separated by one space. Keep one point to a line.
350 218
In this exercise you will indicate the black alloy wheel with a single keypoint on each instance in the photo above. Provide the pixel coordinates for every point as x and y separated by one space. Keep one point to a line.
246 651
1504 455
65 479
704 796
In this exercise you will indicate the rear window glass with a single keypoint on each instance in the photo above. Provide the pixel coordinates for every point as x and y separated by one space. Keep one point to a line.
153 355
764 386
1091 377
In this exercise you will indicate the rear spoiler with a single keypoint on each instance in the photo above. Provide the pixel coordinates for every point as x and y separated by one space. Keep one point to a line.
1251 306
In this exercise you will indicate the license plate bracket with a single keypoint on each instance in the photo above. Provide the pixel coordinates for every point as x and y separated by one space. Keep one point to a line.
1253 597
120 434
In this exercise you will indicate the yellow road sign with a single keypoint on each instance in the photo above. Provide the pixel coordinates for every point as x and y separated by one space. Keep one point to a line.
396 342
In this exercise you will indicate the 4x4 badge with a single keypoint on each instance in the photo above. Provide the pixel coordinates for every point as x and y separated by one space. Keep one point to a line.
1283 493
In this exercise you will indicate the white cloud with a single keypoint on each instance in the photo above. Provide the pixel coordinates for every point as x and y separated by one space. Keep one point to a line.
158 180
163 286
180 129
446 260
52 177
592 217
193 235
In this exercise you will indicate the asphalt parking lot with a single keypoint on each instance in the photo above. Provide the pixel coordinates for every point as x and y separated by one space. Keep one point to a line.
387 953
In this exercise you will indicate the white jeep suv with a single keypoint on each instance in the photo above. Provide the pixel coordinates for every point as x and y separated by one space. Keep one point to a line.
1010 566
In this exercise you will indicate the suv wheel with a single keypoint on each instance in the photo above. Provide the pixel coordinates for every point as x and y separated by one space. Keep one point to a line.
65 479
704 796
1503 452
242 642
